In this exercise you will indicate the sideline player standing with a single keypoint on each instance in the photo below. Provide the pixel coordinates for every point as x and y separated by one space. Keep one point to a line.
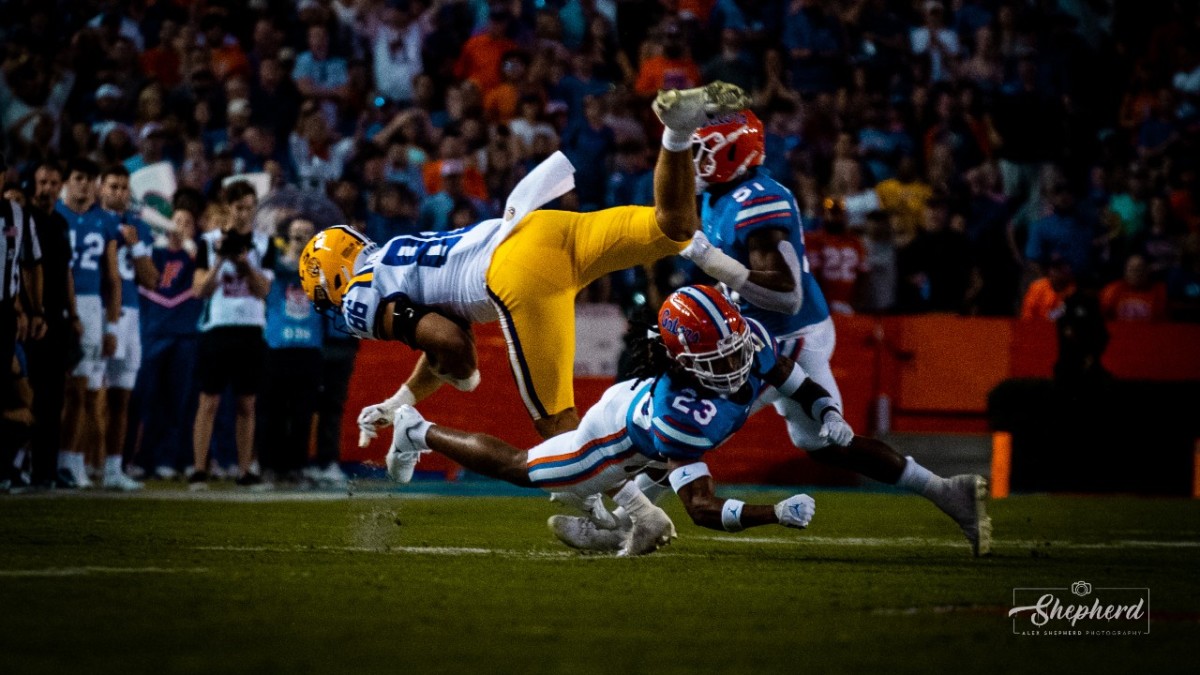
136 270
94 238
697 383
524 271
752 241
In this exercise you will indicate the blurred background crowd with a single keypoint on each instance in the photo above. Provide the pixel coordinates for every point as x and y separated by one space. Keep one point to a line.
981 157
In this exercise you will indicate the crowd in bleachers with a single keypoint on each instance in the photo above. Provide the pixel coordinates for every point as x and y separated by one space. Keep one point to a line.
982 157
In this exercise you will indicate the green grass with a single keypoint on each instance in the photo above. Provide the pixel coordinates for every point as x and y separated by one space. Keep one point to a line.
880 583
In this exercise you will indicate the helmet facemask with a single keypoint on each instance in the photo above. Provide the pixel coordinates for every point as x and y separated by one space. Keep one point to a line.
706 146
727 368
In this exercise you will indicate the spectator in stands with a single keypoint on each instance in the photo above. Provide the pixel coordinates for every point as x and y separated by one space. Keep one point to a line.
937 41
500 103
671 68
1046 297
904 198
935 268
590 147
879 287
1065 232
234 268
1136 296
733 64
483 54
166 387
435 212
816 43
396 37
293 368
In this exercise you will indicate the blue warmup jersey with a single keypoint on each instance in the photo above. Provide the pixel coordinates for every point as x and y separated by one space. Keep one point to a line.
760 203
171 308
90 233
292 322
668 420
129 286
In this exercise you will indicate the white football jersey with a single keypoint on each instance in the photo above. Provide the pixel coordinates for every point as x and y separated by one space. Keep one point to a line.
446 270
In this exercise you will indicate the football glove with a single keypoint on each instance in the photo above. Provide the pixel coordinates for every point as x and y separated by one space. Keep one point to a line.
836 429
796 511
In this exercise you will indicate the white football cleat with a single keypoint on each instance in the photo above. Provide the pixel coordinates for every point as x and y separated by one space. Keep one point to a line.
404 454
652 529
966 502
689 109
582 533
117 480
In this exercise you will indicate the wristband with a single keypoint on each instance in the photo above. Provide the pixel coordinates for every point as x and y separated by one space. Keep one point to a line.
110 328
731 515
403 396
140 250
686 474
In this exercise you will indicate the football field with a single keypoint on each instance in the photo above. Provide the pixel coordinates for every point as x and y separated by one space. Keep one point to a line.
425 580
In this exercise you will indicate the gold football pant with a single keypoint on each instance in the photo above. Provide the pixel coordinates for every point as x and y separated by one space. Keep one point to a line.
535 275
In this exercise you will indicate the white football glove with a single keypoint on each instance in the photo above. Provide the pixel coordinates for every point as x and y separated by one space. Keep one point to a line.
835 428
715 262
592 506
372 419
796 511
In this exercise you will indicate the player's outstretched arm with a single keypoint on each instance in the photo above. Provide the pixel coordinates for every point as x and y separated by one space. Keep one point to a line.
772 281
694 485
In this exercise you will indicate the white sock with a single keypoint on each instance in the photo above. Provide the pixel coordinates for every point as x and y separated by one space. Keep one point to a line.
19 459
112 465
653 491
677 140
632 499
78 464
64 459
918 479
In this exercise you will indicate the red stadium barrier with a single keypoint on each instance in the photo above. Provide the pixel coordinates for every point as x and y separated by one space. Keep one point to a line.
936 370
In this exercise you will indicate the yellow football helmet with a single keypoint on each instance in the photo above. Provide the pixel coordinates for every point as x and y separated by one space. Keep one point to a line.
328 262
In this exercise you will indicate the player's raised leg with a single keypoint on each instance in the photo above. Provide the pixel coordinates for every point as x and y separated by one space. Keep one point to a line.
682 112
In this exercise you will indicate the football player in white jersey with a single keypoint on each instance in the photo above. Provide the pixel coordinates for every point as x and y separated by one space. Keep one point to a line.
523 270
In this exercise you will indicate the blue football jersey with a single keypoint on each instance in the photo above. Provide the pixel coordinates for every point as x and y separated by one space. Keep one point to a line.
90 233
129 286
758 203
669 420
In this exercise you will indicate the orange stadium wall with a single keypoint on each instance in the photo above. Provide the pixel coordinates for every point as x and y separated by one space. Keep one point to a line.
927 374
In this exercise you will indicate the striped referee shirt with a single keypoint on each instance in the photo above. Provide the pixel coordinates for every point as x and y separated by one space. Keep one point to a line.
18 246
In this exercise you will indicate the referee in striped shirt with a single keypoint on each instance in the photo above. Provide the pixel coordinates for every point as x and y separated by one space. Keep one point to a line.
21 286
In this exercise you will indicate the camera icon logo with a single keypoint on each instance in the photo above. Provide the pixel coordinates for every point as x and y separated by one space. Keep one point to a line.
1081 588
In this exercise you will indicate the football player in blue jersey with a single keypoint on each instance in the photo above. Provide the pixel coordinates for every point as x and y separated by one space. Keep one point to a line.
699 378
752 241
97 286
136 270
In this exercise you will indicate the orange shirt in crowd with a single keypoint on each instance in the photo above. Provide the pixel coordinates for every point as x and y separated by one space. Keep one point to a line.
837 260
1121 302
229 60
1042 302
473 183
500 104
659 72
481 60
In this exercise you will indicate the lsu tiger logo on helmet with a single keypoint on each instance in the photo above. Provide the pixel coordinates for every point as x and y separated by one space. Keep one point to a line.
328 263
728 146
708 337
